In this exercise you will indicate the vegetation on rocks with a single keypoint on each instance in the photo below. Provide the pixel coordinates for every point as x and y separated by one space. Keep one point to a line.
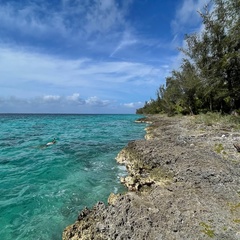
209 76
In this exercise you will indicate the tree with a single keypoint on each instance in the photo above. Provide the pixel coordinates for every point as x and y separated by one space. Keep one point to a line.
216 54
209 76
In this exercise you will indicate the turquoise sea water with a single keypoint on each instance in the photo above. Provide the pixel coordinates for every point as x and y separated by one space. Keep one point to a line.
42 189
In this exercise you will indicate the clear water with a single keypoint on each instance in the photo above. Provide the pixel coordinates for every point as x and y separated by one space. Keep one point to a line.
42 189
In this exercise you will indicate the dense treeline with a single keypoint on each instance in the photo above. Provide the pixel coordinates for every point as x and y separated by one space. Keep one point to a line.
209 76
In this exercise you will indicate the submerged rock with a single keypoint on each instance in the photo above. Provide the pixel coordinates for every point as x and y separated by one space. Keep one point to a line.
183 184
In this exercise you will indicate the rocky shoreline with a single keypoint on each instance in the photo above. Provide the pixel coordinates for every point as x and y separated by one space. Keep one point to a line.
183 183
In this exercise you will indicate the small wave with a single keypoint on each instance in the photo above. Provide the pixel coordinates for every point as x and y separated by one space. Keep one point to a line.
15 200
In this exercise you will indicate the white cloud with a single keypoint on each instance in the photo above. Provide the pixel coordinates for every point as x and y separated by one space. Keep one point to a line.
38 20
84 27
56 103
42 79
133 105
23 69
75 97
187 20
104 16
127 40
51 98
95 101
29 21
187 14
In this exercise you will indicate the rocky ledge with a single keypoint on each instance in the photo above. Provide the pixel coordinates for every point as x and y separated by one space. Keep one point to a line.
183 183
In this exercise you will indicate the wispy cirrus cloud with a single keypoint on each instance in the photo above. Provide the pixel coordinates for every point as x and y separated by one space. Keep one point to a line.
104 16
25 66
187 14
31 20
187 19
126 41
76 20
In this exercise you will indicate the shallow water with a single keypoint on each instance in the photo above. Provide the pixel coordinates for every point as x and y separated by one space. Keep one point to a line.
42 189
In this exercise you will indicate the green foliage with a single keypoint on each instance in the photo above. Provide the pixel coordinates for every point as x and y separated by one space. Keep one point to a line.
219 148
150 107
234 207
207 229
211 118
236 220
208 78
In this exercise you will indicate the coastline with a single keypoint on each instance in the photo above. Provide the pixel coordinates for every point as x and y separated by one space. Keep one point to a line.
183 183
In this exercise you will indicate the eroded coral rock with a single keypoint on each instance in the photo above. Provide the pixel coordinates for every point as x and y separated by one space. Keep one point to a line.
183 184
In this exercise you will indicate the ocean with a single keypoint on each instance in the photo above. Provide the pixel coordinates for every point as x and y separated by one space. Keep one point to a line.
43 188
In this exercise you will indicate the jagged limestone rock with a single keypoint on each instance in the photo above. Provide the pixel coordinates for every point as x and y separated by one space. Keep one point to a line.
180 187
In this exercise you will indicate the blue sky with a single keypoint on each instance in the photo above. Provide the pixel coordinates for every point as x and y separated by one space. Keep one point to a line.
89 56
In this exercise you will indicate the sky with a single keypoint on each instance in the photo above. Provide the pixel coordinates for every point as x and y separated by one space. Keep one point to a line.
89 56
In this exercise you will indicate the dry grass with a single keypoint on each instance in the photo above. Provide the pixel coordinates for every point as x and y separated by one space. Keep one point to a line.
211 119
